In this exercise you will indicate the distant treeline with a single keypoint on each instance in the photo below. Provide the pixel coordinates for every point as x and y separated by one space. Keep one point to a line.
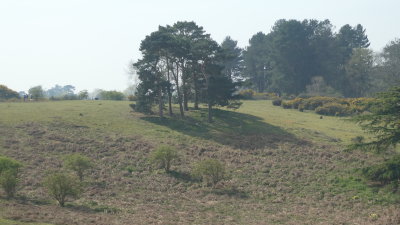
59 92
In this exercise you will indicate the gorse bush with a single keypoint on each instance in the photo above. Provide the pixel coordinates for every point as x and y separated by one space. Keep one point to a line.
333 109
210 171
62 186
246 94
331 106
386 172
78 163
277 102
9 169
163 156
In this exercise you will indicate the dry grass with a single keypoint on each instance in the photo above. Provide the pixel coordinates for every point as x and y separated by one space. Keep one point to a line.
275 176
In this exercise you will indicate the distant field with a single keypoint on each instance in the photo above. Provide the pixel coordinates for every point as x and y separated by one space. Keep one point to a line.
285 166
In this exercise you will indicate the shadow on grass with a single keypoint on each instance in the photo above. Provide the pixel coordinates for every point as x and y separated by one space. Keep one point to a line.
182 176
231 192
235 129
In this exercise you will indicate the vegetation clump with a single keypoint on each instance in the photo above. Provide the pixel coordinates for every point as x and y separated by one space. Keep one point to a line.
78 163
210 171
9 169
163 156
62 186
386 172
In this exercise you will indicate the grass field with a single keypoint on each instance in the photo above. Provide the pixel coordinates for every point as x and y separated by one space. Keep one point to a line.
285 166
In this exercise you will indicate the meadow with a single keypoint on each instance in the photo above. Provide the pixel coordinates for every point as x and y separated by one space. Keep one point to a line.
284 166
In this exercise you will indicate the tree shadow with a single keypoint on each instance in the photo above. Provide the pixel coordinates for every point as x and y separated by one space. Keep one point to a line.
230 128
182 176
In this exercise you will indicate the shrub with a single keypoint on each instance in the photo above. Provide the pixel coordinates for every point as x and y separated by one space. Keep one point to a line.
62 186
112 95
163 157
386 172
132 98
210 171
9 169
9 164
77 163
333 109
277 102
286 104
9 182
246 94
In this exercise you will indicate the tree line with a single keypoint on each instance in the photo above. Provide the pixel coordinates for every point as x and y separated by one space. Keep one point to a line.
296 57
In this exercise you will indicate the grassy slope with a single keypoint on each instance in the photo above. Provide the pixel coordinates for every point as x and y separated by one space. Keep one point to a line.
276 175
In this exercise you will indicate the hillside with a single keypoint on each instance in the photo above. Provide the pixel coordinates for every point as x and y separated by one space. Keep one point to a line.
285 166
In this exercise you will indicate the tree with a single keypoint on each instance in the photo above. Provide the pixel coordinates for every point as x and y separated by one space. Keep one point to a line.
78 163
6 93
257 61
358 73
218 87
36 92
233 58
390 68
62 186
383 122
84 94
163 156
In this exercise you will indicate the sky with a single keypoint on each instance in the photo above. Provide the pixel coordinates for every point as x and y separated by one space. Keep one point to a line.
90 43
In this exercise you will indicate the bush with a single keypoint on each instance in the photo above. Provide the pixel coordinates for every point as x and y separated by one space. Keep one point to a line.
277 102
62 186
77 163
246 94
9 164
9 182
286 105
333 109
210 171
112 95
132 98
163 157
386 172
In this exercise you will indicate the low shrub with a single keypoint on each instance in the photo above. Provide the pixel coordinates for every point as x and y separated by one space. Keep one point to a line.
286 105
132 98
386 172
333 109
246 94
163 156
210 171
9 182
277 102
62 186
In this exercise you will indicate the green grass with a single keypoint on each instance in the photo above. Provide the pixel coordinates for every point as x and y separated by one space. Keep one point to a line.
284 166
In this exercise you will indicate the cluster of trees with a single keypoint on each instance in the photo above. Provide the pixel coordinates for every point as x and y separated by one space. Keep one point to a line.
310 57
6 93
183 62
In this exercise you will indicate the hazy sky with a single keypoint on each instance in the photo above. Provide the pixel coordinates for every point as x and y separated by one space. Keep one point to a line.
89 43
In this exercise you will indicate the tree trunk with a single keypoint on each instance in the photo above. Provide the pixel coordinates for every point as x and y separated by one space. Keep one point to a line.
160 103
209 112
196 93
176 78
185 89
169 92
